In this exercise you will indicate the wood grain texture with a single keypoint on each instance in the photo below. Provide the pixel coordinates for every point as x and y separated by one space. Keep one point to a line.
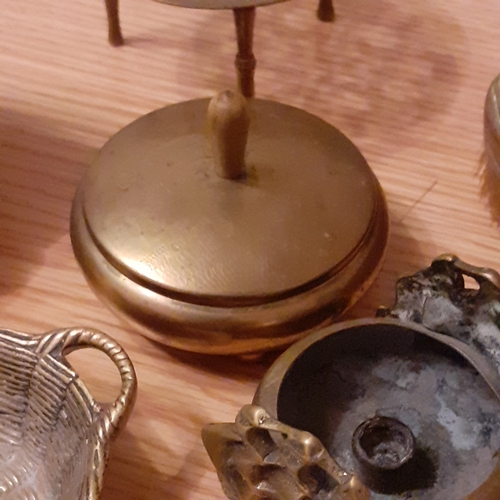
405 81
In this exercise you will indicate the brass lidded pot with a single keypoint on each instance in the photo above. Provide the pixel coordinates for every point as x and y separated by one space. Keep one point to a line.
229 226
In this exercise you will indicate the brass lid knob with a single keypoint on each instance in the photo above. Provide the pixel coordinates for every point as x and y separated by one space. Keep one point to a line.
228 122
230 209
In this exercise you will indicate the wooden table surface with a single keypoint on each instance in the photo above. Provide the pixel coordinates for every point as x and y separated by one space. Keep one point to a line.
405 81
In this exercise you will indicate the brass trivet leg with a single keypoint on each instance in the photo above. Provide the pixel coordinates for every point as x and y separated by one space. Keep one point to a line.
114 32
244 19
325 11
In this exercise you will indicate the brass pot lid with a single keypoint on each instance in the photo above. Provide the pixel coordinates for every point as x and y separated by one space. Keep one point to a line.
213 211
402 406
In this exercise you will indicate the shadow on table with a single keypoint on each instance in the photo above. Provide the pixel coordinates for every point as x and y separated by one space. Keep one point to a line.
382 68
136 469
239 368
39 170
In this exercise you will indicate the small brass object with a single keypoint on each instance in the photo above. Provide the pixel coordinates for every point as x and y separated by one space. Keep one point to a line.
406 405
492 126
227 226
260 457
54 437
490 160
244 19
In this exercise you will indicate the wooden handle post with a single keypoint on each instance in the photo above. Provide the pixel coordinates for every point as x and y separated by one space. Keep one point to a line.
228 122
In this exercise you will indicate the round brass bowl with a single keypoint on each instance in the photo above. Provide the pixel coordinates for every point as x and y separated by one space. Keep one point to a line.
218 265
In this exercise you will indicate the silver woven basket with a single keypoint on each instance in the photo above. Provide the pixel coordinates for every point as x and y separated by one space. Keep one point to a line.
54 437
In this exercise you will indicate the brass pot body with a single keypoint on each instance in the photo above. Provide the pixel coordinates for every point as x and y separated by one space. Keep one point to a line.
221 266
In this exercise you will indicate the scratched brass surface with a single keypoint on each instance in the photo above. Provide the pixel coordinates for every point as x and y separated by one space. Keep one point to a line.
156 205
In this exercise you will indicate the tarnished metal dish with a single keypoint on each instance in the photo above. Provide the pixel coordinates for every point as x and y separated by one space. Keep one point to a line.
229 232
54 437
405 406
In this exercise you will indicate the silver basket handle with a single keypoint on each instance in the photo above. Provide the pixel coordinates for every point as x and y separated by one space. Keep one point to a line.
60 342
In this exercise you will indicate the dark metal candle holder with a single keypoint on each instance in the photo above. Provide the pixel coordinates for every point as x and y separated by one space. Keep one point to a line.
406 405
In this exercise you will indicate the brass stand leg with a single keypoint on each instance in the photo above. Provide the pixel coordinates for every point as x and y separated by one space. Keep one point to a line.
244 19
114 32
325 11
